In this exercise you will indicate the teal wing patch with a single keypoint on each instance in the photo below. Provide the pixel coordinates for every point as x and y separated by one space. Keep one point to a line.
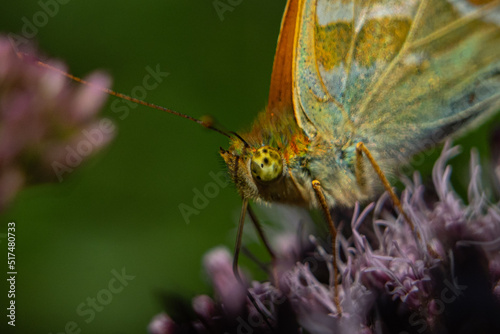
396 72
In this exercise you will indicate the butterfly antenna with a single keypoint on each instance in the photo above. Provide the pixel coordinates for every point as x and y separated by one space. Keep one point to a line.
207 125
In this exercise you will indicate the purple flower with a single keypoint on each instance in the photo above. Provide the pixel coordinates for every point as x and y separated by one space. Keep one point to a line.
162 324
47 126
230 292
445 280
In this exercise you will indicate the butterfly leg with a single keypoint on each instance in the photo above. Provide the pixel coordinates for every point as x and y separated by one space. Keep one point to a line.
362 149
237 248
239 236
247 208
266 243
333 231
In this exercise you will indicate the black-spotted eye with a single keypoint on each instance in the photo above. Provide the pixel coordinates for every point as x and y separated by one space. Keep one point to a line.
267 164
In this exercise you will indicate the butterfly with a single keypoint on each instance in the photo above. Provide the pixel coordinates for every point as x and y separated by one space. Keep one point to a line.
398 76
356 83
358 88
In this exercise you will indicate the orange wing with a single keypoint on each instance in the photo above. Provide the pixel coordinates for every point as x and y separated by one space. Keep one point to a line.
280 94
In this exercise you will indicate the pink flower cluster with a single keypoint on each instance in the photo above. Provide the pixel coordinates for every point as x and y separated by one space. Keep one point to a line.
446 281
48 125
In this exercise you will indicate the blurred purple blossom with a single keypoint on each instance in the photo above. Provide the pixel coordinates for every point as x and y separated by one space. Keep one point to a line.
218 265
448 281
47 126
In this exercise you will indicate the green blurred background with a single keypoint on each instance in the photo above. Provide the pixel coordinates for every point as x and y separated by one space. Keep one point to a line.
120 210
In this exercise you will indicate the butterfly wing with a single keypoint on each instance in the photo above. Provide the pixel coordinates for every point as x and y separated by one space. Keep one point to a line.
280 94
396 73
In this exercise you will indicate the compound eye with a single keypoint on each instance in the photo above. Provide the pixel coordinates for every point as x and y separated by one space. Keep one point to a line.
266 164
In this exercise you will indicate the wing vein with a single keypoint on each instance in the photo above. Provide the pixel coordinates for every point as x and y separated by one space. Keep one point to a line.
381 79
337 103
454 25
353 43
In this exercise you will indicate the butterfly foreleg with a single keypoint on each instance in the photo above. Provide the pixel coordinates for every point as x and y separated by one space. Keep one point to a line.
359 170
239 235
246 208
361 150
266 243
333 231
